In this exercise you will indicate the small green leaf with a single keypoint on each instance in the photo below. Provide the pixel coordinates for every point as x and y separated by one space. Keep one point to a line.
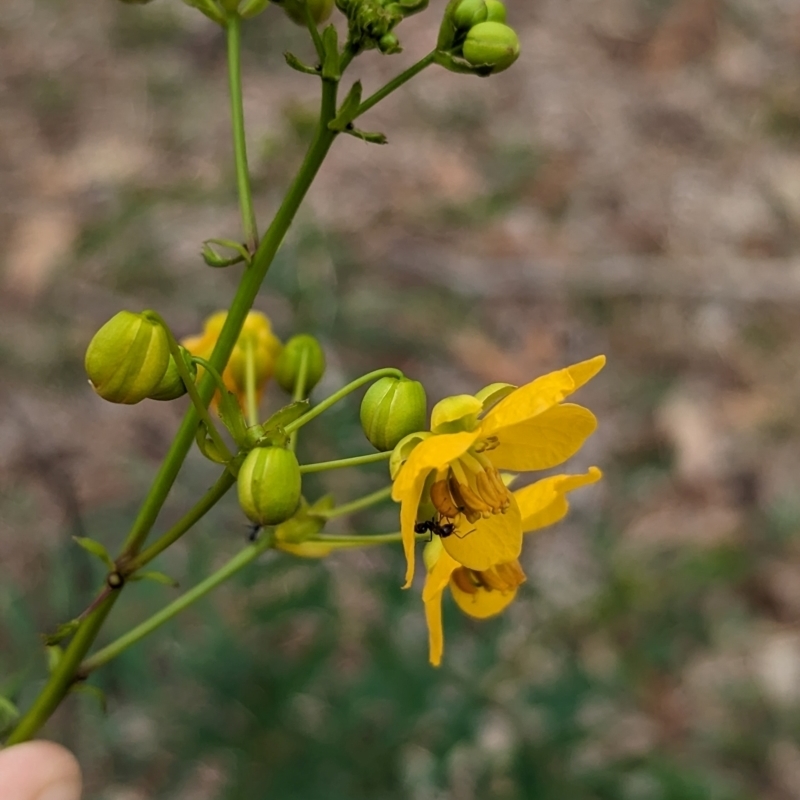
230 412
215 259
330 43
94 691
295 63
287 414
209 8
96 549
156 577
207 446
366 136
54 655
63 631
9 714
348 110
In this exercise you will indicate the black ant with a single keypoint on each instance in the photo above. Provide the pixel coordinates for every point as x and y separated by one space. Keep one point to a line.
433 526
254 529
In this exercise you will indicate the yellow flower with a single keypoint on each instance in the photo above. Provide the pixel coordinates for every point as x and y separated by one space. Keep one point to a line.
484 593
471 438
256 341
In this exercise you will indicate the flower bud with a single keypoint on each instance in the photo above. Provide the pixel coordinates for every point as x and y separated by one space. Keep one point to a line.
392 409
269 485
389 44
469 13
456 414
171 386
496 11
320 10
287 370
127 358
491 44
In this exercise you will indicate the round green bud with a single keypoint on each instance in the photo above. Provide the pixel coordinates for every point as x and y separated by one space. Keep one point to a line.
389 44
171 386
287 368
127 358
392 409
320 10
469 13
496 11
491 44
269 485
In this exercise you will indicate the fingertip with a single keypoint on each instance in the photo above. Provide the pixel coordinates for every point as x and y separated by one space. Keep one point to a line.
39 771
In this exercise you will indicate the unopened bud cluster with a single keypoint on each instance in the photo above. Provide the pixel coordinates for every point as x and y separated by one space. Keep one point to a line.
474 37
129 360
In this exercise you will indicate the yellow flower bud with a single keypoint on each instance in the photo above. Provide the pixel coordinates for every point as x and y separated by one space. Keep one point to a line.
492 44
392 409
320 10
127 358
269 485
171 385
469 13
496 11
287 369
256 342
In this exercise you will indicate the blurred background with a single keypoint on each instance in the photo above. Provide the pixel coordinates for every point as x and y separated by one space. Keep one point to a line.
631 187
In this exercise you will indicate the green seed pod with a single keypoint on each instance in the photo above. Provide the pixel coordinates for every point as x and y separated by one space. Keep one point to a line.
496 11
171 386
320 10
127 358
492 44
287 369
392 409
269 485
469 13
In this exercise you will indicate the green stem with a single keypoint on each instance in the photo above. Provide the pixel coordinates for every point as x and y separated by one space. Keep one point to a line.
250 383
299 390
238 562
341 394
364 540
234 29
61 678
191 388
342 463
225 481
314 31
356 505
213 372
395 83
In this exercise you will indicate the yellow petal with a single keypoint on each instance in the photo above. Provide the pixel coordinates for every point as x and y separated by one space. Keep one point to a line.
544 503
431 454
538 396
435 582
482 603
545 441
482 544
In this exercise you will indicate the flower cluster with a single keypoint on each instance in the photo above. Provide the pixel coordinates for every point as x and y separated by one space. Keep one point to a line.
448 481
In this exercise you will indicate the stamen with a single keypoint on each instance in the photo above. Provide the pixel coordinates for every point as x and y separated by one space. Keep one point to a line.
443 500
466 580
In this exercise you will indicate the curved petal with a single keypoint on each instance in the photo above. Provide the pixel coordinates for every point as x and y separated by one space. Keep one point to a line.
433 453
544 503
483 603
437 579
538 396
482 544
545 441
